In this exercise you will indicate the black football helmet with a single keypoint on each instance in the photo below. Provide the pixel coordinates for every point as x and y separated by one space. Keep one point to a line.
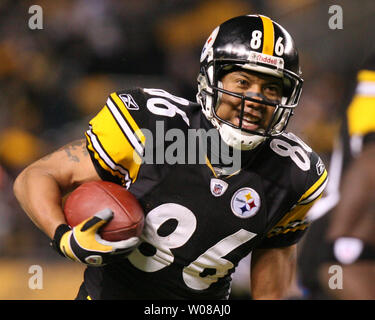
255 43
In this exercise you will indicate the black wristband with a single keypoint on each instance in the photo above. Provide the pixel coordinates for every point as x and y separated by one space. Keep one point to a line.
60 231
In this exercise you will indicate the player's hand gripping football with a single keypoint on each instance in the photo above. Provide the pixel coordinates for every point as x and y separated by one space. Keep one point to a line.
84 244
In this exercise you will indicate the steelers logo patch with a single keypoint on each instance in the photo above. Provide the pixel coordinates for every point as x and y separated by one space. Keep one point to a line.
208 45
245 203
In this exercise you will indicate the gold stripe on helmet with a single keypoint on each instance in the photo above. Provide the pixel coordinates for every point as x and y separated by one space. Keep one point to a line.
268 35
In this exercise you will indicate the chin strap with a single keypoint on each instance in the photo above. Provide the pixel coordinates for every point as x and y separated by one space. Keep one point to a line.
238 139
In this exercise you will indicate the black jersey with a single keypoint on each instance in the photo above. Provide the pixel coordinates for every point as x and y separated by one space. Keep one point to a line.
200 220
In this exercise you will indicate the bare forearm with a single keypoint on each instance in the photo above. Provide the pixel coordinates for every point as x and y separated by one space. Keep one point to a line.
40 187
272 273
39 195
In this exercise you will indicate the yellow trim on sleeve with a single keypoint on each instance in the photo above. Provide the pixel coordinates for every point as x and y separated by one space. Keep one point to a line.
294 220
101 162
115 143
315 186
129 118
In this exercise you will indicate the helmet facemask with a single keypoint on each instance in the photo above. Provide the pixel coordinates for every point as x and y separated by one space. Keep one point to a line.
224 52
210 91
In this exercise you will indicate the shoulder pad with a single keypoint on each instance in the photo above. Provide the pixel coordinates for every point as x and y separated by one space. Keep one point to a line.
117 135
309 170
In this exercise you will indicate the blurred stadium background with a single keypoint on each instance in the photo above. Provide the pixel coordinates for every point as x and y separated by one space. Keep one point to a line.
52 81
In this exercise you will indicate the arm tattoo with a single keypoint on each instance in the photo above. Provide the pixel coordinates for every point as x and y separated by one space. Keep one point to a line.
73 150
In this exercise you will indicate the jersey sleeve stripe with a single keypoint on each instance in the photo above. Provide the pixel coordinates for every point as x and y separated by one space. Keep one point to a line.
127 116
126 128
316 194
295 220
105 160
114 143
314 191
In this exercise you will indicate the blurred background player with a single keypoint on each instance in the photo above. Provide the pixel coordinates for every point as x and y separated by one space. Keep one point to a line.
344 220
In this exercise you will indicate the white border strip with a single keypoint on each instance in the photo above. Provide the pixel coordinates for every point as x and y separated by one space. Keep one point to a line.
108 161
124 126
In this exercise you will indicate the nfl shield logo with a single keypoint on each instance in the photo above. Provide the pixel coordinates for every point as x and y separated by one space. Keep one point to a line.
218 187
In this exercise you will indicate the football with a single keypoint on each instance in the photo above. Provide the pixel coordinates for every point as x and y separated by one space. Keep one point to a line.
92 197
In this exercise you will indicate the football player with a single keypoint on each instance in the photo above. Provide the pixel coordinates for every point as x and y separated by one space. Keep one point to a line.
348 240
201 219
